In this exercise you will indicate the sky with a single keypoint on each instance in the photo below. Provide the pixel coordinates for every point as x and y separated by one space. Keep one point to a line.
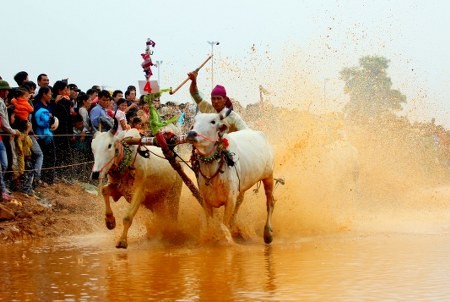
293 48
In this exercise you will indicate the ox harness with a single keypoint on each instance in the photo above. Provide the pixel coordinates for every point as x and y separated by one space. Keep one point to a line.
218 153
122 157
123 163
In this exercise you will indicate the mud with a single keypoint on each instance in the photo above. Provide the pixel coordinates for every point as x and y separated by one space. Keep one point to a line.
62 209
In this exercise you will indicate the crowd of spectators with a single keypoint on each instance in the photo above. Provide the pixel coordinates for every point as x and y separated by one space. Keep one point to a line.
46 130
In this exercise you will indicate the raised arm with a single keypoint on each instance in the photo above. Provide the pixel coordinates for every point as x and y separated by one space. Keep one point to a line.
193 89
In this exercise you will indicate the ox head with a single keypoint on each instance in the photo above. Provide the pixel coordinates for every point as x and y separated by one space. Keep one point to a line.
207 129
104 147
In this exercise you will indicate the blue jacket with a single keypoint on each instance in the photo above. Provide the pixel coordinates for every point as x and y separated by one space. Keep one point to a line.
42 118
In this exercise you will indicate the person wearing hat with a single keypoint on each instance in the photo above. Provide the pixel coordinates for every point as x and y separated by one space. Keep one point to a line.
220 103
73 95
73 91
4 125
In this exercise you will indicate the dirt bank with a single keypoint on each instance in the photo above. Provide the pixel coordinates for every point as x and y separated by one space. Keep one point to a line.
61 209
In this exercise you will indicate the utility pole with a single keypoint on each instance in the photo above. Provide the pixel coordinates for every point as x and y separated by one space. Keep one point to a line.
212 43
158 64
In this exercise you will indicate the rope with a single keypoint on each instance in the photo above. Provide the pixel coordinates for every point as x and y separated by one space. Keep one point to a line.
214 148
53 135
211 177
54 167
205 137
278 181
109 161
170 156
183 161
135 155
163 157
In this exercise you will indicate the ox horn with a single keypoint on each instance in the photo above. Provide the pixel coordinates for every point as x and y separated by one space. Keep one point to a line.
115 126
227 113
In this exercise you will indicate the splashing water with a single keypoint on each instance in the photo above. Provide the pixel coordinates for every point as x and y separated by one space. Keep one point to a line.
376 175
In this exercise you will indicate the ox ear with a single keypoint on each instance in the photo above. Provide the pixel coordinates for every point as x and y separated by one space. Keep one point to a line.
115 126
96 134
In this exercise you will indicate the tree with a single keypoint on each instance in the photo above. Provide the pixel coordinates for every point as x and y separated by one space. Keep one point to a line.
370 89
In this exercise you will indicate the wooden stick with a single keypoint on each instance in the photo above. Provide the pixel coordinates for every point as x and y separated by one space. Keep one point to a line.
171 157
185 81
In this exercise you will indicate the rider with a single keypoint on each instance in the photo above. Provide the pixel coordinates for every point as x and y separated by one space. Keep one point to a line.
220 104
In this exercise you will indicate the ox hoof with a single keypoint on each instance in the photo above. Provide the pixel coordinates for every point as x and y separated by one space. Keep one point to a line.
122 245
110 222
268 235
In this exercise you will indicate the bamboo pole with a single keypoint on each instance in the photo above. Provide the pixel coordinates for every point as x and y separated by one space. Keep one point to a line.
185 81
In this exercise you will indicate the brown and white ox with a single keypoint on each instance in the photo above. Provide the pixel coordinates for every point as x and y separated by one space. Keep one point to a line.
222 183
154 183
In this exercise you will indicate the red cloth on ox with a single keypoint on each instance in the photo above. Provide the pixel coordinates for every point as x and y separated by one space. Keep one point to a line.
160 138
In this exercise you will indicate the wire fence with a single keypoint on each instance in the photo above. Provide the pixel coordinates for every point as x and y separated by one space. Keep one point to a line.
56 167
52 135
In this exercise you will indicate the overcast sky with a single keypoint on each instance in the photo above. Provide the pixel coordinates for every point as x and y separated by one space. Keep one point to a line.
294 48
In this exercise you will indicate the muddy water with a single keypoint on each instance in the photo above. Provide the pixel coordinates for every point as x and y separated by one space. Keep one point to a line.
393 267
388 254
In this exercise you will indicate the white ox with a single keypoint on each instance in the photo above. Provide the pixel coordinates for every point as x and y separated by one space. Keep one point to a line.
221 184
154 182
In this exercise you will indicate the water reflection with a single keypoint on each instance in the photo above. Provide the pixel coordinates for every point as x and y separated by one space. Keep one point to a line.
270 270
345 268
